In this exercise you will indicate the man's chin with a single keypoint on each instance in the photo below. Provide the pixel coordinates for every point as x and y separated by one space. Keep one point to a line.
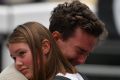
74 63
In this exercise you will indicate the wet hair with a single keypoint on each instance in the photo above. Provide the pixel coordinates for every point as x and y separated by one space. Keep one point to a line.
33 33
66 17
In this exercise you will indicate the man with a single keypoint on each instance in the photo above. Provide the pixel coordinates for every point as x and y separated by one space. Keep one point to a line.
76 30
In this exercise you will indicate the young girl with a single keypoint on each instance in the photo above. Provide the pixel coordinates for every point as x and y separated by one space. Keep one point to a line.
36 54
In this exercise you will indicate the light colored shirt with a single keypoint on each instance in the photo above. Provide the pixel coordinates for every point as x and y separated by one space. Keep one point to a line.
11 73
75 76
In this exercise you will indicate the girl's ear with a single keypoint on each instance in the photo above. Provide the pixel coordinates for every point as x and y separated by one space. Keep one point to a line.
56 35
45 46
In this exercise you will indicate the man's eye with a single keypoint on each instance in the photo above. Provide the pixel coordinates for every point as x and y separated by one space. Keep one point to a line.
80 52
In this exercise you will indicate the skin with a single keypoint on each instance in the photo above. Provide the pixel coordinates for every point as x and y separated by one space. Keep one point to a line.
22 56
77 47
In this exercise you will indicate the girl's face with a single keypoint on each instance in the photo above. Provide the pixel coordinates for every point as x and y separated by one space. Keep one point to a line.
22 56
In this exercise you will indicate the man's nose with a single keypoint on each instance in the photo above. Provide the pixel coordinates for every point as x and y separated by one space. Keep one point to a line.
82 59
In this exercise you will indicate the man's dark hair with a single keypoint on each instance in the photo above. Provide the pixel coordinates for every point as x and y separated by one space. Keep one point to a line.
66 17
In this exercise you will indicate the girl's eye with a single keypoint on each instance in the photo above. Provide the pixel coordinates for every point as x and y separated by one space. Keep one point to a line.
21 54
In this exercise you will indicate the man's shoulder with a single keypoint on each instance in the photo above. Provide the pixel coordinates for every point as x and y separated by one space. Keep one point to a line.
83 76
61 78
69 76
10 73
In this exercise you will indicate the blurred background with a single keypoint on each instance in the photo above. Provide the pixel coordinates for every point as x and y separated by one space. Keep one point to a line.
103 63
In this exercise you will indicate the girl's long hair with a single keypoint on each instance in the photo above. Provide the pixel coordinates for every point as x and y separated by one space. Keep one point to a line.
33 33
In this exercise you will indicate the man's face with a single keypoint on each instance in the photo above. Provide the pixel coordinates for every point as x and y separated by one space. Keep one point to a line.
22 56
77 47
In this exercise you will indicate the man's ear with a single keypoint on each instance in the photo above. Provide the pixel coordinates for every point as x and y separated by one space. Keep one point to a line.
45 46
56 35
